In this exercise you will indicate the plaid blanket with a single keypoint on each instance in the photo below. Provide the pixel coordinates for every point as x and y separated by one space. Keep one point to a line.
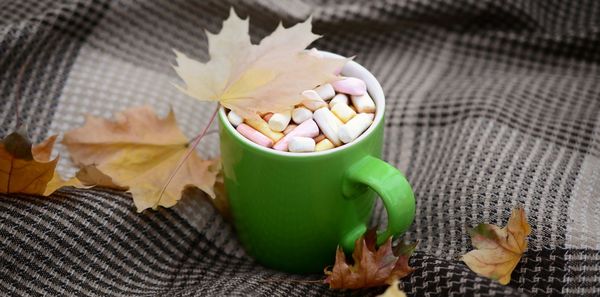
491 104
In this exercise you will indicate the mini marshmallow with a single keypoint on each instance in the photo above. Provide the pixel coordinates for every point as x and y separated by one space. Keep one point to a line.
261 126
343 112
350 86
311 95
306 129
315 53
279 121
254 135
325 91
363 103
289 128
328 123
301 114
339 98
356 126
319 138
302 144
323 145
312 100
314 105
234 118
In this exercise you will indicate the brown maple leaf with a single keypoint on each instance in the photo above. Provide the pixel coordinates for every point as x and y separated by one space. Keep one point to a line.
498 250
372 266
27 168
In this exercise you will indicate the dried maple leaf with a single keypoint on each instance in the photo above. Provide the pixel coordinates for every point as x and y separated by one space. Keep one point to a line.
372 266
90 175
498 250
138 151
27 168
249 78
393 291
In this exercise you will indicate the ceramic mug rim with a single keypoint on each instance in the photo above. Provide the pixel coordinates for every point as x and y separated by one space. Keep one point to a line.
351 69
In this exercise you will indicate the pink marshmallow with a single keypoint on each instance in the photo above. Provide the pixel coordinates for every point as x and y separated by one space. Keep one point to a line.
350 86
308 128
254 135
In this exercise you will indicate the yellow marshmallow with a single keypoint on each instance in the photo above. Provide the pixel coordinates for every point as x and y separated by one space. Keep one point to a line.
343 112
261 126
323 145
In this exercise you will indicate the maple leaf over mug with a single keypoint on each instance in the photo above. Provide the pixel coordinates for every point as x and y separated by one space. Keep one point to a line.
498 250
372 266
137 151
248 78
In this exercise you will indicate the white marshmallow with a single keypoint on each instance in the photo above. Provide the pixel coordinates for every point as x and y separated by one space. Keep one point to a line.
363 103
280 120
339 98
315 53
314 105
356 126
312 100
301 144
343 112
328 123
234 118
325 91
301 114
311 95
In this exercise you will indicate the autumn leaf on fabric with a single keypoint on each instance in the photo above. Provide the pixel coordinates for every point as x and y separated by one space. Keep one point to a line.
90 175
498 250
249 78
27 168
138 151
372 266
393 290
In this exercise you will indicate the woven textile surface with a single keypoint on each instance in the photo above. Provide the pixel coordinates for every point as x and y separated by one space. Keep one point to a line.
490 104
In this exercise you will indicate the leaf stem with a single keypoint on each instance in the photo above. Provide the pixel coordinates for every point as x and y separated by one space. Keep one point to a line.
192 147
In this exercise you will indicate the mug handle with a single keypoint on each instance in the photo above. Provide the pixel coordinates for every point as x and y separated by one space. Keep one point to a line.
394 190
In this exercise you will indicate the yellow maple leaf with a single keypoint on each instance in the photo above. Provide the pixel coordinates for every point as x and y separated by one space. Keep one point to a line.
249 78
27 168
138 151
498 250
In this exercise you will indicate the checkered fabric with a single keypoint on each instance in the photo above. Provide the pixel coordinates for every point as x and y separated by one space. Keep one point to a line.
490 104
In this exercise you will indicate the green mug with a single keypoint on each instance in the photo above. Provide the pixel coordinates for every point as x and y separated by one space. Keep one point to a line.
291 210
